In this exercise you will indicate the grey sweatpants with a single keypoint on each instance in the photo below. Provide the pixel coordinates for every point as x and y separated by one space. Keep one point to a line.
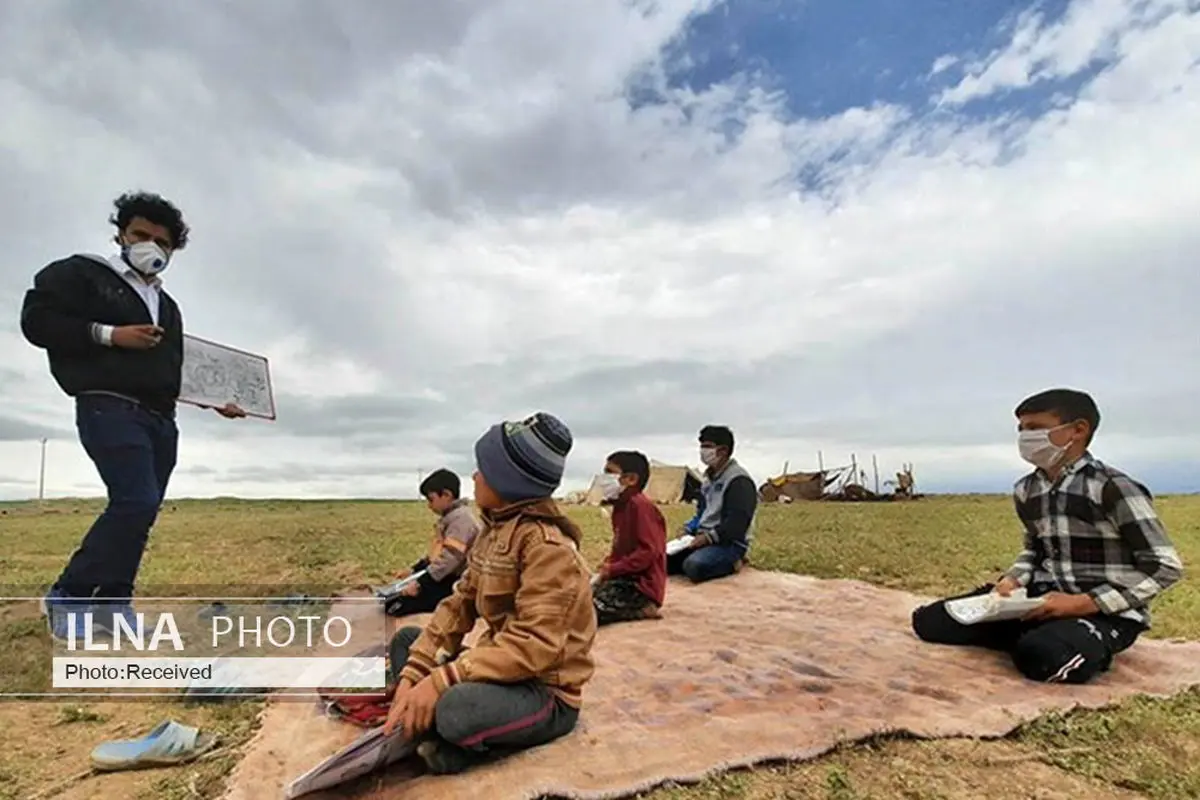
491 719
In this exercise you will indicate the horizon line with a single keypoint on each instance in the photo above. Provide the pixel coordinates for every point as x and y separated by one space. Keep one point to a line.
384 499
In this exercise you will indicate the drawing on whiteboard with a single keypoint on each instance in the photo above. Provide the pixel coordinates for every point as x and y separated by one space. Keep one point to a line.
214 375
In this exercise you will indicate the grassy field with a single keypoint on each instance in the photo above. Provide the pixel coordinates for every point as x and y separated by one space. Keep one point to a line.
1141 749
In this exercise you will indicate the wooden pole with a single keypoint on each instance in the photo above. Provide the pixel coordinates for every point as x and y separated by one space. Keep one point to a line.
875 466
854 468
820 461
42 475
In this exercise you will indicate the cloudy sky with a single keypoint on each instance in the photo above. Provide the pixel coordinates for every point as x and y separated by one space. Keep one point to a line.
865 227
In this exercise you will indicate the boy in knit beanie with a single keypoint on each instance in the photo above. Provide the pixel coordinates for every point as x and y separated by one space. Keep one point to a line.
521 684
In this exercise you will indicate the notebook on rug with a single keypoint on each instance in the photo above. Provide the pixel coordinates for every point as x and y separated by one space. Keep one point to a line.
371 751
679 544
992 607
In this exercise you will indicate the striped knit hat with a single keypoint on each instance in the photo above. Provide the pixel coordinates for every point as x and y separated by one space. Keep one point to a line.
524 460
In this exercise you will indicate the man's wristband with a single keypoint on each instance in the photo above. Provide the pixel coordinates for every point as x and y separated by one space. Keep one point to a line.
101 334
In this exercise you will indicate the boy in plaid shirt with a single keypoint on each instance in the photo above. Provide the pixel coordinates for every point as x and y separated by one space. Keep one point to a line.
1094 549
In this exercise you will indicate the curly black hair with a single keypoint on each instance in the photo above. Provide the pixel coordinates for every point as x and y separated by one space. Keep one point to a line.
152 208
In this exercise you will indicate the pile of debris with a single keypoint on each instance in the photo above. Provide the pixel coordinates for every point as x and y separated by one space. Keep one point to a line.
840 484
852 491
792 486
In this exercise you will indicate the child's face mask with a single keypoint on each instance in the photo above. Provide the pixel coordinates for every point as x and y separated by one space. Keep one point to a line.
610 485
1037 449
708 456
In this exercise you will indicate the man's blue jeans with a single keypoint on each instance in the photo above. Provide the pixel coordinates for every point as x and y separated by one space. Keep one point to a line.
134 451
706 563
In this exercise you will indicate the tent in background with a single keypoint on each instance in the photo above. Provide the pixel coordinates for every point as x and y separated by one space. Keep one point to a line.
669 483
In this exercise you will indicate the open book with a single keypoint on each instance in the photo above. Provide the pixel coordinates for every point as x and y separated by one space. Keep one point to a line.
992 607
679 544
386 593
367 753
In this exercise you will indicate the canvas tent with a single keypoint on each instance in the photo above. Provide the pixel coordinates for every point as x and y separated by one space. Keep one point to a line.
669 483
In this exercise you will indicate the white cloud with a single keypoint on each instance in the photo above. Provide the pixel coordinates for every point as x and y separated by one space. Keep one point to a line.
1090 32
475 222
943 63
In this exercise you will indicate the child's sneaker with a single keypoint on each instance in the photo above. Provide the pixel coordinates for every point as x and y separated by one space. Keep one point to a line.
443 758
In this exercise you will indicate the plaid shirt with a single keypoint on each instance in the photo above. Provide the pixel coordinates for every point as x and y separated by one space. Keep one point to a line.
1094 531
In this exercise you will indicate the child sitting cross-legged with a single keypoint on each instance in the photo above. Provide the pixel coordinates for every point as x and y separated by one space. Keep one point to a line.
632 581
1095 552
521 684
453 534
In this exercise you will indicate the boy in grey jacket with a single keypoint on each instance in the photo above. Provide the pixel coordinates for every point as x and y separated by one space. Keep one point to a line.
453 536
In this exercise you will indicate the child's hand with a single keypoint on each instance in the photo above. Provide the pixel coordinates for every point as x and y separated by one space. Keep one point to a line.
402 574
1059 605
413 710
398 707
412 590
1006 586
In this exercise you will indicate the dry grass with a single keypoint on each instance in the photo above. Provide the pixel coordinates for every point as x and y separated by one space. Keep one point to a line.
1143 748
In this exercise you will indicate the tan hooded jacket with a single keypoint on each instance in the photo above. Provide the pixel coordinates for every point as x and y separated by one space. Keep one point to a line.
527 580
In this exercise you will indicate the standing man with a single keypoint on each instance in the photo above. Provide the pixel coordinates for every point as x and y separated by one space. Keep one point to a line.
114 340
724 521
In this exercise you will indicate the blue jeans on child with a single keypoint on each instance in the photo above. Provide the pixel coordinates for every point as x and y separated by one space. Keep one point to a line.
706 563
134 450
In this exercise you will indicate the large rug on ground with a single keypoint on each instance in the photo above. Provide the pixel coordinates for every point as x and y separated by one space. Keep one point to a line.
759 667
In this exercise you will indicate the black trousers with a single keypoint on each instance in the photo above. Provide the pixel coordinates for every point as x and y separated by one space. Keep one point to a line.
1072 650
134 451
424 601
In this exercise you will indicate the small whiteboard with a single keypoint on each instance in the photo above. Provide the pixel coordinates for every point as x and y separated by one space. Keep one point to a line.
215 375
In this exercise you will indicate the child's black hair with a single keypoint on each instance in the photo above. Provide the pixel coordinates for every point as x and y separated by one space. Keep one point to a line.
152 208
633 463
1068 405
718 435
440 481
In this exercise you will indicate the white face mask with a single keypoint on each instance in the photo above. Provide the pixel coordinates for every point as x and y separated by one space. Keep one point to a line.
146 257
1037 449
610 485
708 456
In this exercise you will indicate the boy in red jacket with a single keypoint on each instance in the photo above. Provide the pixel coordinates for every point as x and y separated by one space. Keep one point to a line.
632 581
